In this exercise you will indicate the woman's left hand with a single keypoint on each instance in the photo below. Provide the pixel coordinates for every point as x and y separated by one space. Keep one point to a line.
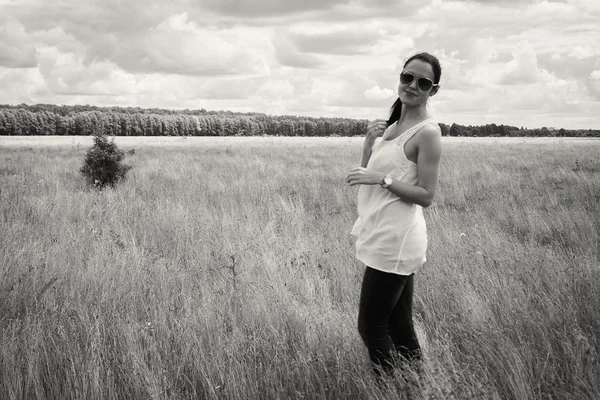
363 176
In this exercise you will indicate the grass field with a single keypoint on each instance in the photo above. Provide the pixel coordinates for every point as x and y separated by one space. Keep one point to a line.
224 269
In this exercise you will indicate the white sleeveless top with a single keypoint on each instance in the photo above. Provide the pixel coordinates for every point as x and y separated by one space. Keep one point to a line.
391 233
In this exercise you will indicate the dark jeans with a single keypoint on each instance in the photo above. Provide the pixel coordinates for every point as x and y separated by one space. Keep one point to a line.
385 320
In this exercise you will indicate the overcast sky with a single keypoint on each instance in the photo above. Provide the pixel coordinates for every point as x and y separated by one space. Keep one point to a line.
518 62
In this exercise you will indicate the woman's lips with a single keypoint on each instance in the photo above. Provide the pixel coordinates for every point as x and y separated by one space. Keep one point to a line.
411 93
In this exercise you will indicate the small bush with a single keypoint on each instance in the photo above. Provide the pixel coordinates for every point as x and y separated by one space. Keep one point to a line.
103 163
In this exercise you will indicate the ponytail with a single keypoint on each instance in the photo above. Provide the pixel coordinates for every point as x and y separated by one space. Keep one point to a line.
395 112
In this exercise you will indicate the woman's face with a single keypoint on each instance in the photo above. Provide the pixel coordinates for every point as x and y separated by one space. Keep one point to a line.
411 93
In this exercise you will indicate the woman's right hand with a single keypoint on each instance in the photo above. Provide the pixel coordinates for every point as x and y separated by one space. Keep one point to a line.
375 129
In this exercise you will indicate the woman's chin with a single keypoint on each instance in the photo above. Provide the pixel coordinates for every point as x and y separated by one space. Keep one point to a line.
408 99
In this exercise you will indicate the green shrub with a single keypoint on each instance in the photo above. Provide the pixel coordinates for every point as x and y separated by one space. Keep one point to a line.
103 163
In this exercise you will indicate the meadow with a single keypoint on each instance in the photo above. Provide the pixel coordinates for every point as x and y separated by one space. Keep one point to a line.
223 268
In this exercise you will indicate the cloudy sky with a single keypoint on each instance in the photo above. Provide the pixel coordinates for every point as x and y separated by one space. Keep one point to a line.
519 62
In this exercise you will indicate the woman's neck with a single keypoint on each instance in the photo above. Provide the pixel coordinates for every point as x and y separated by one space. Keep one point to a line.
412 113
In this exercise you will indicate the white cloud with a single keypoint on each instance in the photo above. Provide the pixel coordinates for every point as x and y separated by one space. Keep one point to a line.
268 7
523 68
17 56
594 84
344 40
376 93
70 74
180 46
581 52
17 50
551 9
288 55
20 85
277 89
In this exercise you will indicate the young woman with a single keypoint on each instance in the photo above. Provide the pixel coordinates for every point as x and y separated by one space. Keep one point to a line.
398 177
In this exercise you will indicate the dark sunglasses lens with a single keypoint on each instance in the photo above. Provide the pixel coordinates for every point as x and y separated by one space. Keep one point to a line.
405 78
424 84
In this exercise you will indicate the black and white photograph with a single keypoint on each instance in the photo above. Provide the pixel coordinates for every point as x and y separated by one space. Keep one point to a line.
285 199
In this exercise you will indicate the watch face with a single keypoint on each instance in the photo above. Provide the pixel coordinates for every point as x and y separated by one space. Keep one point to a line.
387 180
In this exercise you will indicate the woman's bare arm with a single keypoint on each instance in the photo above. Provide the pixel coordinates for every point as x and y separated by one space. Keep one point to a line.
429 147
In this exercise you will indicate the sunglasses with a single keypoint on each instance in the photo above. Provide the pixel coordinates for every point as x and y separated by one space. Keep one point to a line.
424 84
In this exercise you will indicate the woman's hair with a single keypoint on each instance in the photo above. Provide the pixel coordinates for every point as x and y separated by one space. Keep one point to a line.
396 109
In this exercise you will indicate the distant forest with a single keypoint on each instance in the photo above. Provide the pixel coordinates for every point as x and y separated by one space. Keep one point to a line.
48 119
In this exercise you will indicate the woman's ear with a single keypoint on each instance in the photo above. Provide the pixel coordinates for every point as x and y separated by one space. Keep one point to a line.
434 90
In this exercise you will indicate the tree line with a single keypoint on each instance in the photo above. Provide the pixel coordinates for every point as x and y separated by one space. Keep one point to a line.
79 120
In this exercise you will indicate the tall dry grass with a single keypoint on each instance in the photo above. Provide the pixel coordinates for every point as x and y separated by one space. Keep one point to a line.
227 272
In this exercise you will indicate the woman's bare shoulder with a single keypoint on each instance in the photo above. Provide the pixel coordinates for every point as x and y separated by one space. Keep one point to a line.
430 132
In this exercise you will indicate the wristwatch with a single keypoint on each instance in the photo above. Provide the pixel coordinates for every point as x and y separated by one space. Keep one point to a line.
387 181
